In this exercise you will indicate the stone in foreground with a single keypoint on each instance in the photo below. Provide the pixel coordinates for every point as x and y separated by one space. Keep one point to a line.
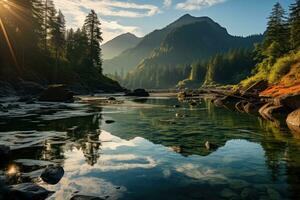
293 121
52 174
28 191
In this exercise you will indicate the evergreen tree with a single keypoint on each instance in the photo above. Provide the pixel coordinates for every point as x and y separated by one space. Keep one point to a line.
277 30
295 25
94 34
58 31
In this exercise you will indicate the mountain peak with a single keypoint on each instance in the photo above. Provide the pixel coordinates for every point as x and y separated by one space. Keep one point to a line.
188 19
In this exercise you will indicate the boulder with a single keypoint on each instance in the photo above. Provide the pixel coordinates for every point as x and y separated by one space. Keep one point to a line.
4 151
52 174
291 101
28 191
269 110
57 93
138 93
83 197
293 121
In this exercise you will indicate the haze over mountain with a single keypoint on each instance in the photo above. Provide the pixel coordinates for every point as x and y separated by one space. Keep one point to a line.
119 44
130 58
190 39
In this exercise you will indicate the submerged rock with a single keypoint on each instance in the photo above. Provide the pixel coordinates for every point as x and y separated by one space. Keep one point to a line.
83 197
28 191
109 121
138 93
52 174
293 121
4 151
57 93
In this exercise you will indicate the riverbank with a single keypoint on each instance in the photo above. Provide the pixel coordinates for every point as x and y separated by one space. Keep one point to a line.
257 99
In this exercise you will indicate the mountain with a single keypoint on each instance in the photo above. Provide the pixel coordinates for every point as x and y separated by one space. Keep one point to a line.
130 58
198 40
119 44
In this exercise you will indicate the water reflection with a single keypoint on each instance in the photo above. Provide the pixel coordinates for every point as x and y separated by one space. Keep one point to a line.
156 151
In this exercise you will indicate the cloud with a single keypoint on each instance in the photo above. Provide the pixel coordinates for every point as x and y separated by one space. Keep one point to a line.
76 11
190 5
167 3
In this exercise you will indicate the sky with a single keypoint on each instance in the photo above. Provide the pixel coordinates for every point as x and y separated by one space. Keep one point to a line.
140 17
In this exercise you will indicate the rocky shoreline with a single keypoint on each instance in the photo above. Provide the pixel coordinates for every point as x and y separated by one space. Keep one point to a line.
250 101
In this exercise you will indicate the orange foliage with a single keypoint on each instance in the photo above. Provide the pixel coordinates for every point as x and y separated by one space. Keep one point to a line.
289 84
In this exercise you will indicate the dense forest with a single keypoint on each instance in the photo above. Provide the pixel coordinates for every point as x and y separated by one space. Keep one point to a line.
36 48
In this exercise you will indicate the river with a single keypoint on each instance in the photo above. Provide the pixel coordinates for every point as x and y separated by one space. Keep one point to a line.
153 150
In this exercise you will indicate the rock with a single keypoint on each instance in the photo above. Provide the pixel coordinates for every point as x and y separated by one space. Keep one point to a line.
138 93
57 93
269 110
4 151
111 99
291 101
52 174
83 197
293 121
28 191
109 121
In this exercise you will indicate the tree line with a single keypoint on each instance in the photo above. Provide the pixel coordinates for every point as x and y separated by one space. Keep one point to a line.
35 44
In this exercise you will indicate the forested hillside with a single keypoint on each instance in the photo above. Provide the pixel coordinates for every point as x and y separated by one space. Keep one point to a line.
201 40
278 56
36 49
129 59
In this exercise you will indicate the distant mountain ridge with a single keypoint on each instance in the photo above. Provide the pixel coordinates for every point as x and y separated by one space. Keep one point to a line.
119 44
130 58
198 40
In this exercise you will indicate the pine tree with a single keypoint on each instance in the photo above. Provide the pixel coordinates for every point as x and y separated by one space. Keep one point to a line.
277 29
58 31
94 34
295 25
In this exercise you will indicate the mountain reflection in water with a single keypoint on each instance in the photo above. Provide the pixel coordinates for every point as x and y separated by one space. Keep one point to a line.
156 151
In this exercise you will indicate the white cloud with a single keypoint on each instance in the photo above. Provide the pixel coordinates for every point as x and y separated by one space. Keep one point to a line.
167 3
76 11
190 5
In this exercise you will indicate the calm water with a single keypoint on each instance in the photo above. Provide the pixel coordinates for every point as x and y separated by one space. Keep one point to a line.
154 151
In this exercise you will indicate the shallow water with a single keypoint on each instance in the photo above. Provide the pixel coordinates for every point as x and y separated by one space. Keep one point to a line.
154 151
